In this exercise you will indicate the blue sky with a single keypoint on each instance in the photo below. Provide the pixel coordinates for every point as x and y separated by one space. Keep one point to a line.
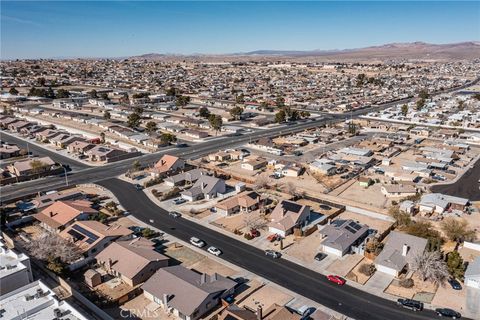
41 29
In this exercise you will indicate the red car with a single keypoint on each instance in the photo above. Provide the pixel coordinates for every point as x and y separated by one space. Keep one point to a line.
336 279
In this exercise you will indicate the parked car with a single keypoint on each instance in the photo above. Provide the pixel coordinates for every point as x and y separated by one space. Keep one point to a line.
255 233
136 230
449 313
410 304
273 237
197 242
179 201
273 254
138 187
455 284
174 214
336 279
214 251
320 256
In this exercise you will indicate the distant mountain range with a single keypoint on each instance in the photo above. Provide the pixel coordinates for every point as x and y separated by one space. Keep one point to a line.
411 50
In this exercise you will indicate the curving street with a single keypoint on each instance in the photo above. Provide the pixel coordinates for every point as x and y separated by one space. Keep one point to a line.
346 300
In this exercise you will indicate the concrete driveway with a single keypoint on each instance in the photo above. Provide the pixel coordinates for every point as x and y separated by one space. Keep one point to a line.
473 302
378 282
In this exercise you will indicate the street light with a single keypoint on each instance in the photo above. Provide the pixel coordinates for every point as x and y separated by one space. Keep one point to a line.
66 176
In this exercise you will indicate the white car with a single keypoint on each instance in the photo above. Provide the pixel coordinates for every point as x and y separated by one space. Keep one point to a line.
214 251
197 242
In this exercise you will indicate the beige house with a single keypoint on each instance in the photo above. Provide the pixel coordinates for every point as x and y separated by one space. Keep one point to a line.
286 216
133 261
244 202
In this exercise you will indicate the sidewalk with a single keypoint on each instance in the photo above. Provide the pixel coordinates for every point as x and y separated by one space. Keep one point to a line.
257 242
298 300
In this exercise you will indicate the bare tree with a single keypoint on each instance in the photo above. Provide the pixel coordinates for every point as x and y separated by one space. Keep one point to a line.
254 222
430 266
37 166
48 246
457 230
291 188
262 181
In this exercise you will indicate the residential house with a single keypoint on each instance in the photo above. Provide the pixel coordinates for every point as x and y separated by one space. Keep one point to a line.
243 202
15 269
167 165
286 216
24 167
9 151
101 153
407 206
134 261
18 125
206 187
42 201
184 178
440 203
92 236
196 134
322 168
252 164
343 236
292 170
219 156
364 181
61 214
80 147
273 312
398 190
185 293
400 249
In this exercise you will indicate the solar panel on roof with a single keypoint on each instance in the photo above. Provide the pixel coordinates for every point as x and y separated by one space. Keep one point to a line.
350 229
355 226
87 233
291 206
76 235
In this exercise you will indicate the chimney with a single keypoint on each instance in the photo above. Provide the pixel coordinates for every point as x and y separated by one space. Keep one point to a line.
203 278
405 250
259 313
165 301
51 214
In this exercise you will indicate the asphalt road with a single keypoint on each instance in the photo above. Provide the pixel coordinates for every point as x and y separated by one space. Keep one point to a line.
468 186
344 299
91 175
36 150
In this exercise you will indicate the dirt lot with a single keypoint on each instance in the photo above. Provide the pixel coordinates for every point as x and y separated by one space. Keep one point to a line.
306 248
372 195
265 297
342 266
317 207
356 275
238 221
427 289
